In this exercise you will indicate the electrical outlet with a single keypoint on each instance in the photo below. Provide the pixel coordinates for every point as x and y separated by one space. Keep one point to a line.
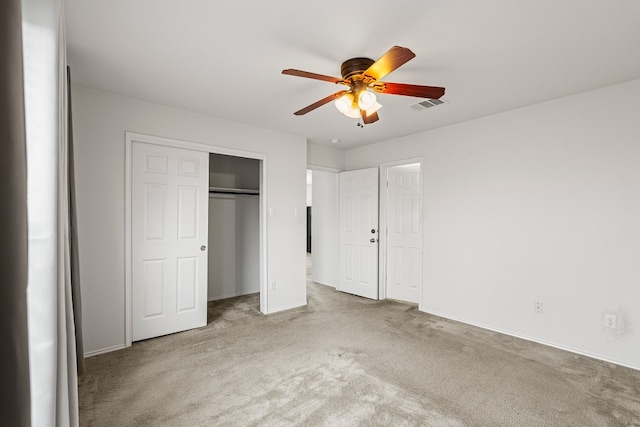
273 285
537 307
610 321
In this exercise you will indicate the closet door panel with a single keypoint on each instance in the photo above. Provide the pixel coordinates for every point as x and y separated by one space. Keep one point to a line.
170 187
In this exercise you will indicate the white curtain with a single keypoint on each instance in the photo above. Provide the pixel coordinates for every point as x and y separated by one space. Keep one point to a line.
52 357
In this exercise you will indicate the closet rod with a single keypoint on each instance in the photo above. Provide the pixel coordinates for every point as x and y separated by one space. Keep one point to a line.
221 190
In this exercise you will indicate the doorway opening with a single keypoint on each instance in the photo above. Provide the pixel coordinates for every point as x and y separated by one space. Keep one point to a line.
234 226
322 225
309 223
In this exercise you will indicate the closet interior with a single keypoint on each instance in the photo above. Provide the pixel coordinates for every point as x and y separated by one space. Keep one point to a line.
234 226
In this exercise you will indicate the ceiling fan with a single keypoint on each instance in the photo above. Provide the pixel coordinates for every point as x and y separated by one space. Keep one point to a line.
362 76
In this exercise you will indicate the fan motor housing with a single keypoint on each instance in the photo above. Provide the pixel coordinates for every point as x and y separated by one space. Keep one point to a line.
355 66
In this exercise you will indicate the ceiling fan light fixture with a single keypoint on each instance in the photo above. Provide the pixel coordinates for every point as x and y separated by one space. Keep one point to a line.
366 100
346 105
376 106
363 77
354 113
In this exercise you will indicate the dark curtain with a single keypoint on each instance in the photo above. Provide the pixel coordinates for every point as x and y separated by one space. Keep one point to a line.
73 235
14 351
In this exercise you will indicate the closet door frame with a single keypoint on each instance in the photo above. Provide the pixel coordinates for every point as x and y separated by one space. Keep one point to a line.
130 139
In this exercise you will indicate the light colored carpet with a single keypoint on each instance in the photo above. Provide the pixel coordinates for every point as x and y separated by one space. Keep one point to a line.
349 361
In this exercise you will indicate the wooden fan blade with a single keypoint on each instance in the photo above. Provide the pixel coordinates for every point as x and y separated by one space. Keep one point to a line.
431 92
300 73
320 103
394 58
368 119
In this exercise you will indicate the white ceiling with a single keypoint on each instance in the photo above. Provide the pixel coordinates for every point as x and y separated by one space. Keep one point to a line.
224 57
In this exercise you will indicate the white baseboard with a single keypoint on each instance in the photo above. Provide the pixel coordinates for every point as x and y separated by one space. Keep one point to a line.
219 297
104 350
287 308
326 284
538 341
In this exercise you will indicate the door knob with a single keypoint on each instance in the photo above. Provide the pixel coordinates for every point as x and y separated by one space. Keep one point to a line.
372 240
203 248
373 231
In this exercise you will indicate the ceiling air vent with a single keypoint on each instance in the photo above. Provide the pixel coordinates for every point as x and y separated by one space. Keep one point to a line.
427 103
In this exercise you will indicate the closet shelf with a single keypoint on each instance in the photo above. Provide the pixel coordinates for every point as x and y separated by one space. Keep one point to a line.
223 190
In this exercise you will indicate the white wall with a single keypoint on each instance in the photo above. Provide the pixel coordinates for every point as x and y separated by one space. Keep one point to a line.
234 245
537 204
324 156
100 122
309 188
324 228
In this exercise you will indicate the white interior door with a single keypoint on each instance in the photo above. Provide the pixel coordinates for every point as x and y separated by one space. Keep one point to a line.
170 188
358 237
404 237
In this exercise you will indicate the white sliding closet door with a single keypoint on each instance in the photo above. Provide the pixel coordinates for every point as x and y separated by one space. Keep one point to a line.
169 237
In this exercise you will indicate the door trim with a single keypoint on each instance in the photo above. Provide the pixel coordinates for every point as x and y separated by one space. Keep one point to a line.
323 169
130 139
382 265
